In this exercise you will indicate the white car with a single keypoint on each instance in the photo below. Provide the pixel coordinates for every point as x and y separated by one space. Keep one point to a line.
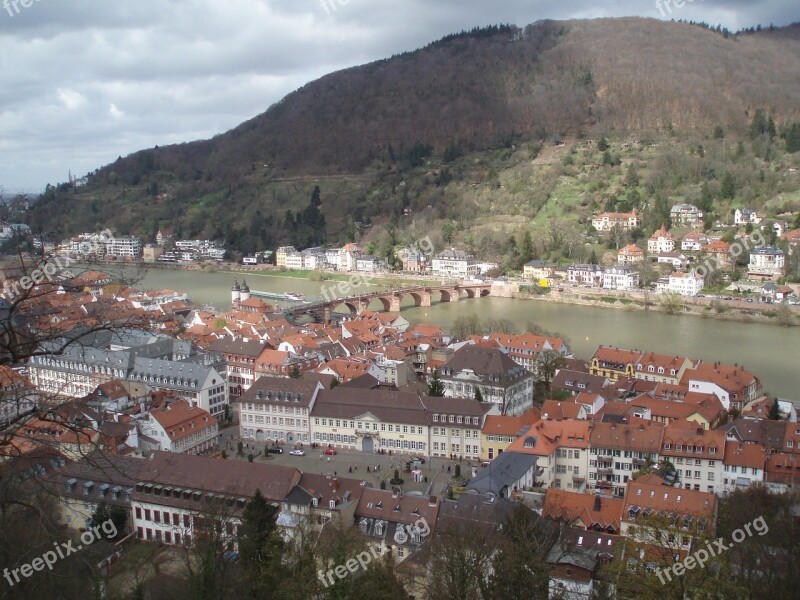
297 453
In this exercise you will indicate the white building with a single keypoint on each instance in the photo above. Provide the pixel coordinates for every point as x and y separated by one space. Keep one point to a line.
685 284
744 216
687 215
454 264
276 409
766 262
293 260
620 277
367 264
661 241
178 427
124 247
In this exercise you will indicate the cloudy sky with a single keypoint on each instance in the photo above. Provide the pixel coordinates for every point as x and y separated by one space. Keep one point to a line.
85 81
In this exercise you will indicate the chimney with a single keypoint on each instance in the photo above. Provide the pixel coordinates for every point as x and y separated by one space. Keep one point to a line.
335 484
395 492
597 503
432 501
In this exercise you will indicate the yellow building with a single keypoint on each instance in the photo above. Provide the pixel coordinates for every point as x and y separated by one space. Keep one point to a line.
282 253
537 270
499 431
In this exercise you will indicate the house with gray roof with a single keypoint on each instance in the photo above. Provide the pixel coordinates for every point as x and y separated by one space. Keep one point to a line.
500 380
508 473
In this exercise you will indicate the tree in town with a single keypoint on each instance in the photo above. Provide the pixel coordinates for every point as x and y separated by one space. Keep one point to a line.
642 564
116 514
520 570
460 557
545 366
467 325
435 385
506 326
774 411
261 547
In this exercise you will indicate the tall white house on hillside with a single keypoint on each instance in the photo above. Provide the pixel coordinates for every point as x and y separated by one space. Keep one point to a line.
766 262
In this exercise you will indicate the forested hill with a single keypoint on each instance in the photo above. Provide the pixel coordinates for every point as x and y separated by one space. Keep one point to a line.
472 92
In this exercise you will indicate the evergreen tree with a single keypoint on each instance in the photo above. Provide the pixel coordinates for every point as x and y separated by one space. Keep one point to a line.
116 514
728 186
478 394
435 385
792 136
261 547
774 412
759 124
632 176
525 248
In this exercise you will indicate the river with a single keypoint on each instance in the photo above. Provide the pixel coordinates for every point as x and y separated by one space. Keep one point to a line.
770 351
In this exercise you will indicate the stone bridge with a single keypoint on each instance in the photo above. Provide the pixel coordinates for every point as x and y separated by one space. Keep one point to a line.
392 299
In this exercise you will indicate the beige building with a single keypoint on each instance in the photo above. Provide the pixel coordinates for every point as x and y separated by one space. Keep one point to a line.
100 477
371 420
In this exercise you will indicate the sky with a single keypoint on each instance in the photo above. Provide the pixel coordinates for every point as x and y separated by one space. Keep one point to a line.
85 81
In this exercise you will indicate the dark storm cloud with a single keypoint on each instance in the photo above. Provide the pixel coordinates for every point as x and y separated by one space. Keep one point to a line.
83 81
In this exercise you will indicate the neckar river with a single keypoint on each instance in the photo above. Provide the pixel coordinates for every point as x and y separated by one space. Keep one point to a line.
770 351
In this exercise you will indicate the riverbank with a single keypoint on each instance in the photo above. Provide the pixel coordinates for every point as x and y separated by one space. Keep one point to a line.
707 308
636 300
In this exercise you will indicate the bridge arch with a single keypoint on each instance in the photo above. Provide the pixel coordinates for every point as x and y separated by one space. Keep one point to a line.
448 295
385 301
417 296
486 292
351 306
470 292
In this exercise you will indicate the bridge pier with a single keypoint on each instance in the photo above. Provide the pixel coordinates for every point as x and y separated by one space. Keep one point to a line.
394 303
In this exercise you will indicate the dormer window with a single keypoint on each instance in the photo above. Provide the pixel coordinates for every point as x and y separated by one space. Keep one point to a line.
332 504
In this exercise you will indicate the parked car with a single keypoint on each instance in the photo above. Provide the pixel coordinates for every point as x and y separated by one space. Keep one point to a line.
275 450
297 452
330 451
